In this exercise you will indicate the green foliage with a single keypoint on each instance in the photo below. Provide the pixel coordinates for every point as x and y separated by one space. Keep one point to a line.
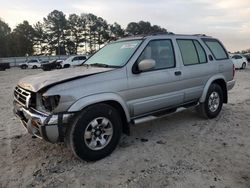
60 35
55 27
4 32
19 42
143 28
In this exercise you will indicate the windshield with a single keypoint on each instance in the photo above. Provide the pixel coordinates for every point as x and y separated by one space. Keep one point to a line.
114 54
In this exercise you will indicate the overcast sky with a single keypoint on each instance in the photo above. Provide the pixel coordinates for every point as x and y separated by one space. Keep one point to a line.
228 20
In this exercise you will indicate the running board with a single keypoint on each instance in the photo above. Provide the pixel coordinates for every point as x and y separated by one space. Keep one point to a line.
153 117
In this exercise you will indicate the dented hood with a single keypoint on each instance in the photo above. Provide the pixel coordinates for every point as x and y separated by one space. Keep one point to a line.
36 82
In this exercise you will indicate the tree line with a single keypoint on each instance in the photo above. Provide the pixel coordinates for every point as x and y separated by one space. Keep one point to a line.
61 35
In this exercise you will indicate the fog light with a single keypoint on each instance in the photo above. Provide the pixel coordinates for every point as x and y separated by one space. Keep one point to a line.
35 123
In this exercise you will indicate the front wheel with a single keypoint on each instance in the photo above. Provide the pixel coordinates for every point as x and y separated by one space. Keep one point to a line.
213 103
95 132
66 66
24 66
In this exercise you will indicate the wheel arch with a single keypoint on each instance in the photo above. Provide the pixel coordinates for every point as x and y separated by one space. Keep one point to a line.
111 99
220 80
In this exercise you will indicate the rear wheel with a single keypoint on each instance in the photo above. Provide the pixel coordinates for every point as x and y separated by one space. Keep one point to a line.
95 133
34 67
213 103
243 65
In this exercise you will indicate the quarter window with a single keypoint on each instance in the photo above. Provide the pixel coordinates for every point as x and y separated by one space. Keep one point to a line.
161 51
201 52
216 48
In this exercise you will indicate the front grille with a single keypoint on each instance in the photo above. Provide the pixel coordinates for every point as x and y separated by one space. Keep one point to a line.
23 97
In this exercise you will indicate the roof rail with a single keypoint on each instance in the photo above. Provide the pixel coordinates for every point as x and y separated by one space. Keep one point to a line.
161 33
202 35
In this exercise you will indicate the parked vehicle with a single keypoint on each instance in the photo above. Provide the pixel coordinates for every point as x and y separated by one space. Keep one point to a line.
74 61
54 64
239 61
128 81
32 64
247 56
4 66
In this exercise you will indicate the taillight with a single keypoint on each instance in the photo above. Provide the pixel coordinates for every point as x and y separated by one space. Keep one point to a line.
233 70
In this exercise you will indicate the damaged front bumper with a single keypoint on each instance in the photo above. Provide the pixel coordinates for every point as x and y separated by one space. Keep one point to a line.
48 127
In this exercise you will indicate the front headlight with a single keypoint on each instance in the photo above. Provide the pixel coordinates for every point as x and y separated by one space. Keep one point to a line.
50 102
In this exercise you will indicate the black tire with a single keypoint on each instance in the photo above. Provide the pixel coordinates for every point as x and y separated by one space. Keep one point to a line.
66 66
34 67
76 139
24 66
243 66
46 69
204 109
58 66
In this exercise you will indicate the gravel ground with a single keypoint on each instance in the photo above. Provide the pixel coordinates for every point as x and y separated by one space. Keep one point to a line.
181 150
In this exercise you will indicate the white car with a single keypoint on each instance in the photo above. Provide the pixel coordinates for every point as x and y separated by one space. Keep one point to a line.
240 62
32 64
74 61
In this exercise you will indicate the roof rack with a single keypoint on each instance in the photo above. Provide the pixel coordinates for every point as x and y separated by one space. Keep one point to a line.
202 35
161 33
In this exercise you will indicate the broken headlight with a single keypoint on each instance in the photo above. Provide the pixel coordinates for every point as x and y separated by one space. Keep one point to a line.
50 102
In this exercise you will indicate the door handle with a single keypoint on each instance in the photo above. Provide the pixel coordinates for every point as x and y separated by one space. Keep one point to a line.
177 73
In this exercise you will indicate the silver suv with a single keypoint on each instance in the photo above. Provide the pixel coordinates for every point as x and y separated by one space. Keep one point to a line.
126 82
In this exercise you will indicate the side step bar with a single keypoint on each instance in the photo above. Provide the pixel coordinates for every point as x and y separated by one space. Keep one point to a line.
157 116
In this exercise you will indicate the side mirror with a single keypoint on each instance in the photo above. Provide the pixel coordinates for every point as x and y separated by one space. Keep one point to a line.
146 64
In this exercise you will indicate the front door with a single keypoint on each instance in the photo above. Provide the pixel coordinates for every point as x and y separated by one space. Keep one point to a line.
157 88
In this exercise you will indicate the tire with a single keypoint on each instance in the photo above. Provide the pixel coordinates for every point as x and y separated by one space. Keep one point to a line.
24 66
66 66
243 65
34 67
214 96
58 66
86 140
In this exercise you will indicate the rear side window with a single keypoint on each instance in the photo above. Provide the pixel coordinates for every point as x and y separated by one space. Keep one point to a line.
237 57
216 48
32 61
82 57
191 51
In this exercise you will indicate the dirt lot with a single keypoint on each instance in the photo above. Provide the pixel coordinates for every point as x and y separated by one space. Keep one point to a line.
181 150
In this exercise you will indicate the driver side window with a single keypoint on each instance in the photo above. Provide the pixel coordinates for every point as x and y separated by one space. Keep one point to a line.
161 51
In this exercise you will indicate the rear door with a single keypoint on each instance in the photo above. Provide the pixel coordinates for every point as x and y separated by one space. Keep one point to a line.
75 61
237 60
157 88
81 60
196 68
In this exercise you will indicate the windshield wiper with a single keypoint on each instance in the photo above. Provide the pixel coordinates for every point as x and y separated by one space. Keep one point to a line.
103 65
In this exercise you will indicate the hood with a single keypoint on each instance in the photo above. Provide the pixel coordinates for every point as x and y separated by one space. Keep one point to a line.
37 82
